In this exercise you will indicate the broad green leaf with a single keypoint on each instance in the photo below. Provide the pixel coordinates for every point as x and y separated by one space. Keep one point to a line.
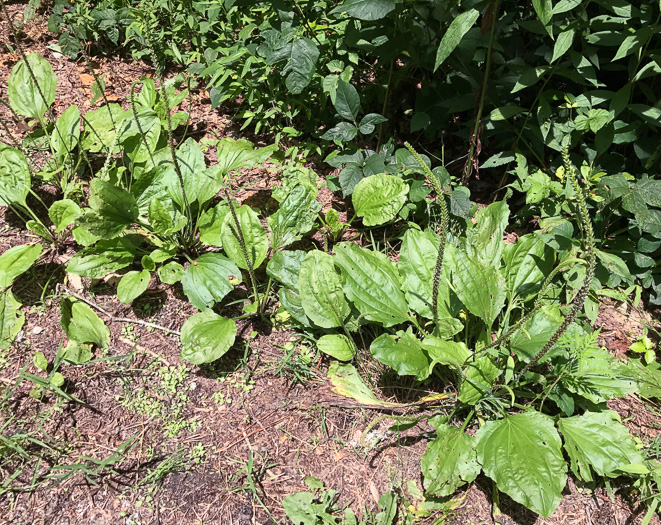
292 303
77 353
321 292
39 360
296 216
159 217
39 229
456 31
148 263
485 239
113 209
480 287
103 258
132 140
342 132
17 260
366 9
100 128
563 43
285 266
417 260
478 380
27 98
301 57
449 462
200 183
372 283
522 454
337 346
347 101
234 154
444 352
369 122
254 237
66 134
304 508
210 225
593 120
206 337
544 10
378 198
82 325
534 334
62 213
171 272
527 261
11 319
403 353
598 441
132 285
15 180
208 279
614 264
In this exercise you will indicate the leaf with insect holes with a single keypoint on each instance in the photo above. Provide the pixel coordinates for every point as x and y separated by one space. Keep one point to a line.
522 454
82 325
17 260
206 337
15 180
132 285
449 462
597 441
171 272
254 238
321 292
27 98
208 279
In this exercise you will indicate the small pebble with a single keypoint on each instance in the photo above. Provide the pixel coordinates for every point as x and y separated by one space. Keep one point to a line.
37 330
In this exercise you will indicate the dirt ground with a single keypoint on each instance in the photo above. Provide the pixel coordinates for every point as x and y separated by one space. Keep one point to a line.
222 444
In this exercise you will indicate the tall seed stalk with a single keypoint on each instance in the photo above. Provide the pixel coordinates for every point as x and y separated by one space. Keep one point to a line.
445 225
590 260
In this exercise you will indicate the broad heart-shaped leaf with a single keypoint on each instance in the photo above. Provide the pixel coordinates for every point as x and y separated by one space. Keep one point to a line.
62 213
485 240
11 319
24 95
285 266
347 101
296 216
234 154
113 210
82 325
456 31
321 292
254 237
369 122
15 180
366 9
301 56
527 261
171 272
132 285
207 280
598 441
15 261
66 134
372 283
130 136
206 337
210 225
532 337
404 353
480 287
102 258
337 346
478 380
342 132
449 461
417 259
378 198
522 454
